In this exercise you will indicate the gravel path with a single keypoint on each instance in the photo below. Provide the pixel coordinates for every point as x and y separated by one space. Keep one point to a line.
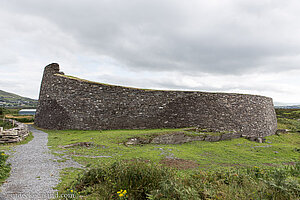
34 170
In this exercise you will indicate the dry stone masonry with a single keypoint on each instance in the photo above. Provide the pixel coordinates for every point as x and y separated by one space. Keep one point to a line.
16 134
67 102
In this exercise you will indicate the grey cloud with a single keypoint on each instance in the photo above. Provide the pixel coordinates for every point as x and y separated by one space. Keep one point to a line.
190 37
167 44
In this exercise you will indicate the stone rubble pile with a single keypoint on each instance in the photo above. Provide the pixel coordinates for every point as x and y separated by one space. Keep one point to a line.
16 134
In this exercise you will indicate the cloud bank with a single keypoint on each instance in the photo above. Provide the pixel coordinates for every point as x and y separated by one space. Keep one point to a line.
229 46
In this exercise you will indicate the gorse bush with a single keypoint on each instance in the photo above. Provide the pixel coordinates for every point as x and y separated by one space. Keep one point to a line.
143 180
5 124
4 168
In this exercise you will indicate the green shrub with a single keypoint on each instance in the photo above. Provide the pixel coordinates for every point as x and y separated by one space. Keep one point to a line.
282 184
149 181
5 124
25 120
4 168
5 111
138 178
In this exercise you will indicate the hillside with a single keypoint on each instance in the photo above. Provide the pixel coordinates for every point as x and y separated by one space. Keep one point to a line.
288 107
12 100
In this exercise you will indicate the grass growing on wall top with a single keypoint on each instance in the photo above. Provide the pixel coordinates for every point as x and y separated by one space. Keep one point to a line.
144 89
79 79
84 80
93 82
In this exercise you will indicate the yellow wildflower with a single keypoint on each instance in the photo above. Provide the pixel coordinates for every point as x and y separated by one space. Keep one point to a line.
122 193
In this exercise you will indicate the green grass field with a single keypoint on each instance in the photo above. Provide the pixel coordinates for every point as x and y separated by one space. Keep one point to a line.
234 169
278 152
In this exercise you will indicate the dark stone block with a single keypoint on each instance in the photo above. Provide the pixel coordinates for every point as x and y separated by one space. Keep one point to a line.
281 131
175 138
212 138
229 136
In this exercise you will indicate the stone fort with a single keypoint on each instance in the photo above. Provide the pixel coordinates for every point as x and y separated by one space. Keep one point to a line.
67 102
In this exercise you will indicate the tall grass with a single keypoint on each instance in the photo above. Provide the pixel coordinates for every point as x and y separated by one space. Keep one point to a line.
4 168
138 178
151 181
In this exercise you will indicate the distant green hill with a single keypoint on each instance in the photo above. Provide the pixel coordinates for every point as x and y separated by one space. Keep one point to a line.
12 100
288 107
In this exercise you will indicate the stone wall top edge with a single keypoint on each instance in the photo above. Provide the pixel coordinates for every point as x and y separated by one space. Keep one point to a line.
53 67
154 90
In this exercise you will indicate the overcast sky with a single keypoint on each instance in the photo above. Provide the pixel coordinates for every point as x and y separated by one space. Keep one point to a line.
249 46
